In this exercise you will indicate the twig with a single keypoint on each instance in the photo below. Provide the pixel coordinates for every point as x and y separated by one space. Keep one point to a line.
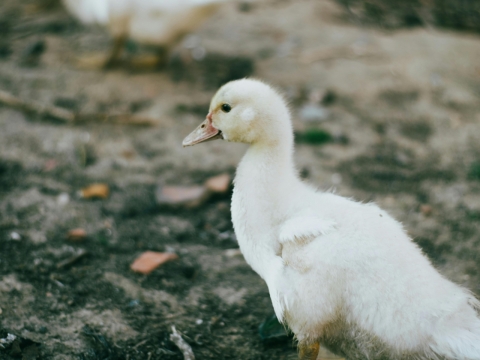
344 52
72 259
140 344
171 316
177 339
120 119
69 117
36 108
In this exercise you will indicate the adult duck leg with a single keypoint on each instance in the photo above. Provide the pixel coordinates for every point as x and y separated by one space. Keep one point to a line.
308 351
150 62
115 52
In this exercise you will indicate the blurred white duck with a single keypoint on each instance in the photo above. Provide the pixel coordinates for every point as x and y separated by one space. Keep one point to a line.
162 23
339 272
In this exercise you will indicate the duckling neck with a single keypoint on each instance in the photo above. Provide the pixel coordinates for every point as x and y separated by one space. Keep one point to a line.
265 188
268 164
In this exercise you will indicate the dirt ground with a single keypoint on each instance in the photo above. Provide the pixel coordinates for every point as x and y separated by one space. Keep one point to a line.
399 111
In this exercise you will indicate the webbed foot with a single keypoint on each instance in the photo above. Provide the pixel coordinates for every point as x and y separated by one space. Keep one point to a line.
308 351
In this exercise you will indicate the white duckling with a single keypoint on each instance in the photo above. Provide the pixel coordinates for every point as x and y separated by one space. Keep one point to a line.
340 273
162 23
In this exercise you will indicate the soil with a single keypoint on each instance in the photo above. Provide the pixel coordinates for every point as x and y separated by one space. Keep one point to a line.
399 118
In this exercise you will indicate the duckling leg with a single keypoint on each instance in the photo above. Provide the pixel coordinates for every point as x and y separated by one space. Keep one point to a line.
117 48
308 351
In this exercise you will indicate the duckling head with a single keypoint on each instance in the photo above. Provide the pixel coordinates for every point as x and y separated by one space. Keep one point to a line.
247 111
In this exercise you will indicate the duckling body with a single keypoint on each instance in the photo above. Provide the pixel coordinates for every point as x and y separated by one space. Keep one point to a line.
339 272
160 23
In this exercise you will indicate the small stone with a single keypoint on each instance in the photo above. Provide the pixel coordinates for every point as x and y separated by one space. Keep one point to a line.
233 253
150 260
95 191
188 196
426 209
199 321
218 184
75 235
133 303
15 236
313 113
63 199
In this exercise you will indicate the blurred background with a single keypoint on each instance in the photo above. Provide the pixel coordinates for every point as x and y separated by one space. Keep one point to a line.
93 109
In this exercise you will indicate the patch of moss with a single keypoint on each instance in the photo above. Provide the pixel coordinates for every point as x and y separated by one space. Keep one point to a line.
474 171
391 14
433 251
271 331
313 137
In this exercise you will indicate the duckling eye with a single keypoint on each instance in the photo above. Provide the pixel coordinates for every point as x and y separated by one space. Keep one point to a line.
226 108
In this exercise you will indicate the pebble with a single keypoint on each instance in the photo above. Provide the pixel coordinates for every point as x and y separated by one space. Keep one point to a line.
15 236
233 253
150 260
313 113
63 199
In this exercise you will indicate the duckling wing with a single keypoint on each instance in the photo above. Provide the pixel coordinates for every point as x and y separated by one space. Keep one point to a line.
304 228
298 231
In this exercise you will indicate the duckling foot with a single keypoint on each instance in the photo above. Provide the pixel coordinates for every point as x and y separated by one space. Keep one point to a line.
308 351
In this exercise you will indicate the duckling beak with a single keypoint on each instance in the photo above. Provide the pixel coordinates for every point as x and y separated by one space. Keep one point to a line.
204 132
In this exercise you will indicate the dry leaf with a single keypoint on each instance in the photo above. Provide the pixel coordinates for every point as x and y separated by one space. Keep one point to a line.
76 235
96 191
188 196
150 260
426 209
218 184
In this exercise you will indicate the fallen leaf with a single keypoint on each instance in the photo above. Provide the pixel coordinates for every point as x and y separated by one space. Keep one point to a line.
128 154
150 260
219 183
50 165
76 235
188 196
96 191
426 209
